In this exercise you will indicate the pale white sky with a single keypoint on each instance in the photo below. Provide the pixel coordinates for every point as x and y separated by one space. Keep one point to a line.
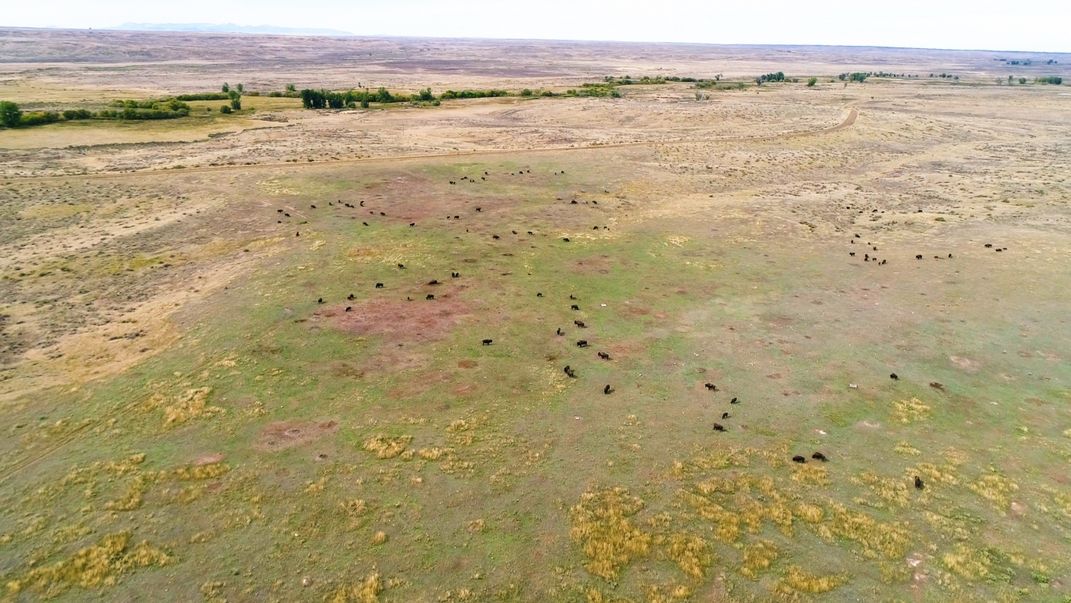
1040 25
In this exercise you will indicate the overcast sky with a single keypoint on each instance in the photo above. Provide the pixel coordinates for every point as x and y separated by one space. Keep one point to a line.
1042 25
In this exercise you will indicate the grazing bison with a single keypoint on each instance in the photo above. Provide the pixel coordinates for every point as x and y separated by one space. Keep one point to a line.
580 324
818 456
379 285
918 483
734 401
569 372
430 296
798 459
604 356
711 387
583 343
574 307
894 376
559 332
719 427
488 341
607 390
724 415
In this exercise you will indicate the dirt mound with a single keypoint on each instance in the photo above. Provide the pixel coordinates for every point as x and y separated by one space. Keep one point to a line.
402 321
288 434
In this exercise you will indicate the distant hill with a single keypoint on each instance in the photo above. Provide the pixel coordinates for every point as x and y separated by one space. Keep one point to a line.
232 28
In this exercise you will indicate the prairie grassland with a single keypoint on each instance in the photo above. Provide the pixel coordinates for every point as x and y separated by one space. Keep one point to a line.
185 416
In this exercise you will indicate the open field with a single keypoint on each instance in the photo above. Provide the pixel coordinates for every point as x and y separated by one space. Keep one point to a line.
207 396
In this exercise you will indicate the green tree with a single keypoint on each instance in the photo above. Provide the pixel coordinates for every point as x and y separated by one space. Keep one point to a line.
241 88
10 114
811 82
291 88
225 109
226 87
1022 80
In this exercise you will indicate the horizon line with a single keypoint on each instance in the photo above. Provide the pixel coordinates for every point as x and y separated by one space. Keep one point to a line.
301 32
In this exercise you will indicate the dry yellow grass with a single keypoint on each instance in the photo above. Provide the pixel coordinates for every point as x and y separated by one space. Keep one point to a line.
667 593
809 513
97 565
432 454
811 474
133 497
995 488
757 557
727 523
691 553
906 449
386 447
967 561
192 404
875 538
910 411
354 508
796 581
201 472
609 539
367 591
892 491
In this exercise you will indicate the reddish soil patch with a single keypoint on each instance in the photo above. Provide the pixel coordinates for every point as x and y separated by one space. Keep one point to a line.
599 265
418 386
630 310
288 434
467 364
402 321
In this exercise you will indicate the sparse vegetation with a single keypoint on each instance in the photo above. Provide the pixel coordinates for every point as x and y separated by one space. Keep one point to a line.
206 394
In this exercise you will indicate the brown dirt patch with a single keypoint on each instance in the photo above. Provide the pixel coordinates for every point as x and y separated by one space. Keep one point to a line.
418 385
288 434
466 364
414 321
630 310
596 265
208 459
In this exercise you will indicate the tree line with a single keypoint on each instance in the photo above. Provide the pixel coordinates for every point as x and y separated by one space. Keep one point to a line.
12 116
